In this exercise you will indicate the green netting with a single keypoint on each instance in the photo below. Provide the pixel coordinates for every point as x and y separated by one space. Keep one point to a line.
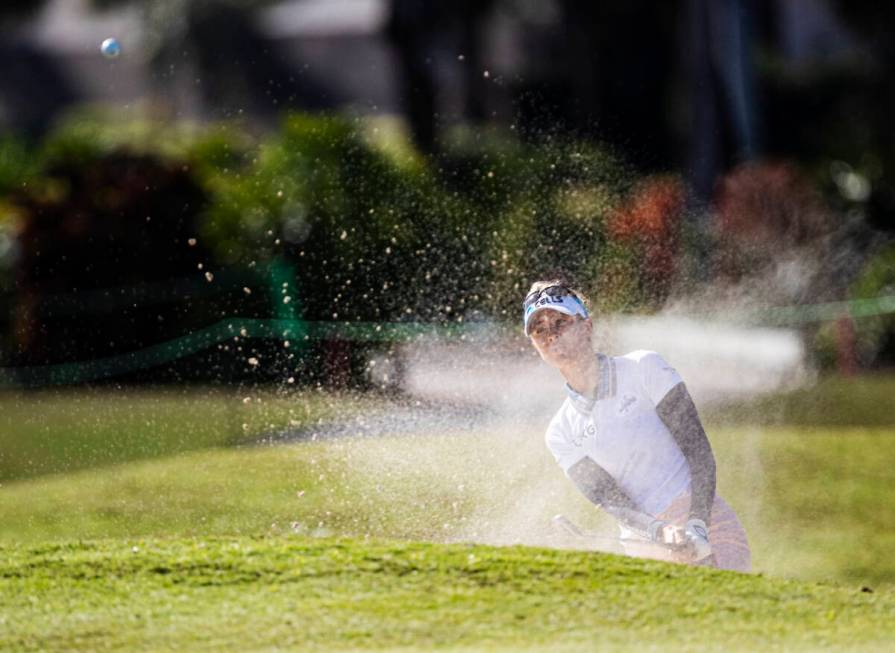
301 332
296 331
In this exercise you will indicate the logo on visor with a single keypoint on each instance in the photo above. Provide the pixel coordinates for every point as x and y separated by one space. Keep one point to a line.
547 299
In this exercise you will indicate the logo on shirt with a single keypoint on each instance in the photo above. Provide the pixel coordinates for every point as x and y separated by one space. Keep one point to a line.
627 402
579 439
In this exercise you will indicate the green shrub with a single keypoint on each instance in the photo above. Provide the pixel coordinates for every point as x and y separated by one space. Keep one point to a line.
363 227
540 210
375 231
18 166
875 334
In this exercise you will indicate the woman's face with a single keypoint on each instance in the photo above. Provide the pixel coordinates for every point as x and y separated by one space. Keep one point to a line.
560 339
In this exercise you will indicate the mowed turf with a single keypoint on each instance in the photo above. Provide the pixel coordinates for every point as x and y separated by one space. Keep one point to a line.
815 503
834 401
232 548
305 594
51 431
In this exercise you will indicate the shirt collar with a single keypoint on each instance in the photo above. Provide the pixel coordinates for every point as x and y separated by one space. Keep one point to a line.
605 387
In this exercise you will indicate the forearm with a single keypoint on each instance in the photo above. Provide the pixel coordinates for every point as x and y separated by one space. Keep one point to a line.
602 489
681 418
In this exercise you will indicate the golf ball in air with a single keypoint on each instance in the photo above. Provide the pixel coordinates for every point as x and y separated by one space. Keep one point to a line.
110 48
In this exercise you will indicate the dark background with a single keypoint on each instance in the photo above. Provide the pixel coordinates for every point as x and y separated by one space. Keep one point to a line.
726 134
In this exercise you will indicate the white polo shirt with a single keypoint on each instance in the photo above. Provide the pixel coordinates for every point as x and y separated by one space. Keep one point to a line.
621 431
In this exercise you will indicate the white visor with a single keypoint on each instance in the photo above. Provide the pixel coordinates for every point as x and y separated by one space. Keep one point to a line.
568 304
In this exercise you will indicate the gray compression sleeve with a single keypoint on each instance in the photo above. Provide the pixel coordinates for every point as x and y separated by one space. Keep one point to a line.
679 414
601 488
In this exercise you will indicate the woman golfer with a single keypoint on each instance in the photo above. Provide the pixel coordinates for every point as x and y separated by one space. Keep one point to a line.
630 439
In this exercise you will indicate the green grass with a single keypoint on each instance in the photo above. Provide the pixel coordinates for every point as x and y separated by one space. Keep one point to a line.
298 593
64 430
815 503
864 400
143 521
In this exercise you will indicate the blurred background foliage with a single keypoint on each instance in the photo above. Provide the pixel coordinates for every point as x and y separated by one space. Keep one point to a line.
370 229
574 152
876 336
